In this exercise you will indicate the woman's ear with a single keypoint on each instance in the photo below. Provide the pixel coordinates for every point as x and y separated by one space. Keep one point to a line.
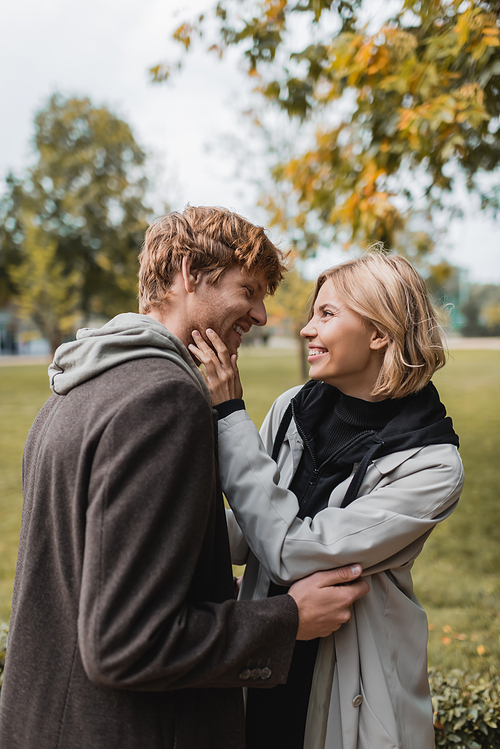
190 276
378 341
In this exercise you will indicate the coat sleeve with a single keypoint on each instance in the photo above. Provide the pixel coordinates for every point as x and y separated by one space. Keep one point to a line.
150 492
382 529
237 541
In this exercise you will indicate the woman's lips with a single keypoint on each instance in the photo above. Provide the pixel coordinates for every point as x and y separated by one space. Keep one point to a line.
315 353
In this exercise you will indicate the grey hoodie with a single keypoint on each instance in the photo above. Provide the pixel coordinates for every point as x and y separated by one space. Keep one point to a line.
127 336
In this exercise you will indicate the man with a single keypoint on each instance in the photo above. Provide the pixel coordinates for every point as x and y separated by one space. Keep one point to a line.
125 633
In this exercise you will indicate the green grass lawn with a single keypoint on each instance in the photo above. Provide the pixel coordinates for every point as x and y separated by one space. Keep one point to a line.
23 390
457 576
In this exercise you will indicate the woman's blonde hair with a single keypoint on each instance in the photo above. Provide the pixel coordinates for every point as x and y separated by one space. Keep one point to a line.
389 294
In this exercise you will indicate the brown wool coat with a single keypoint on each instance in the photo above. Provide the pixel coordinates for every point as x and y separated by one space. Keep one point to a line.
124 633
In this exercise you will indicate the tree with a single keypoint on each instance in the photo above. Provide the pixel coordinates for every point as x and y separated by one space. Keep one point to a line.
291 302
481 310
46 292
71 228
400 112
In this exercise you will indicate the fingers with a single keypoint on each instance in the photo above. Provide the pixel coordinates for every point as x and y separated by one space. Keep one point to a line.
226 361
347 577
215 355
358 589
219 346
208 361
206 353
215 350
207 356
238 388
222 373
324 600
338 576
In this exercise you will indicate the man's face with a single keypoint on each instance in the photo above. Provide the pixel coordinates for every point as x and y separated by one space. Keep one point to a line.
231 306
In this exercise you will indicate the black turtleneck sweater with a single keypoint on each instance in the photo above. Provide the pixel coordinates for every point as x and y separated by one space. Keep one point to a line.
349 418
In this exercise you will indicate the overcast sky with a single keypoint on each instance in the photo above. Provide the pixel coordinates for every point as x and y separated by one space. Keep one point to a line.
103 49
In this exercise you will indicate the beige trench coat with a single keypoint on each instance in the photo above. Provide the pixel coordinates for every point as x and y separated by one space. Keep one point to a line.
378 696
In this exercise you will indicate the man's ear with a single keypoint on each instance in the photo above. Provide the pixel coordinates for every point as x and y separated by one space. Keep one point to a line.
190 276
378 341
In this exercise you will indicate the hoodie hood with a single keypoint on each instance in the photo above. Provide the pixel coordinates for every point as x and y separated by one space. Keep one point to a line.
127 336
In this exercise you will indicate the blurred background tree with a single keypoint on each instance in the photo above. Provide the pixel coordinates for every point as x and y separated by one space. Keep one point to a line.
397 114
481 311
46 293
291 304
71 228
9 255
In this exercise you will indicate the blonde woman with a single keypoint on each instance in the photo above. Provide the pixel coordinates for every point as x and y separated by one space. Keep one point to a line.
367 464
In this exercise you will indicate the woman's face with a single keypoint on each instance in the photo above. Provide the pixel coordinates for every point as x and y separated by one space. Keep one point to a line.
344 351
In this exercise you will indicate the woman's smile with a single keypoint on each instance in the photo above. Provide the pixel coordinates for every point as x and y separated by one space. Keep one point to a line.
314 352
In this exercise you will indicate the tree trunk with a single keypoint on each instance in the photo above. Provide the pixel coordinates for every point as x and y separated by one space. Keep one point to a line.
304 367
55 340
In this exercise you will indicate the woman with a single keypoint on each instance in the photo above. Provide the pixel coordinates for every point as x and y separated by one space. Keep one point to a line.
367 464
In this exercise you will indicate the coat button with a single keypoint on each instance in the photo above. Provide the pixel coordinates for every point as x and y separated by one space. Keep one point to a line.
245 674
265 673
357 701
255 674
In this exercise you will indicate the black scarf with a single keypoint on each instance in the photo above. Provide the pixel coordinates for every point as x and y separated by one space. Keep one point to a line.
417 420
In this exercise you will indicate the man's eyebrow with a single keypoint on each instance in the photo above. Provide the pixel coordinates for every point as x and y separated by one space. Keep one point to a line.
256 285
261 288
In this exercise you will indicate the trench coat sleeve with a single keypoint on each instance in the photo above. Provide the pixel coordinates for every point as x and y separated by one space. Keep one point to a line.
237 541
384 527
142 624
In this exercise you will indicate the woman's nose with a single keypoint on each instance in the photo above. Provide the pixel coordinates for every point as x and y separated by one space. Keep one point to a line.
308 330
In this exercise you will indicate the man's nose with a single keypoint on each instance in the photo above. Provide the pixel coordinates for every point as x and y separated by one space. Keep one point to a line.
258 314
